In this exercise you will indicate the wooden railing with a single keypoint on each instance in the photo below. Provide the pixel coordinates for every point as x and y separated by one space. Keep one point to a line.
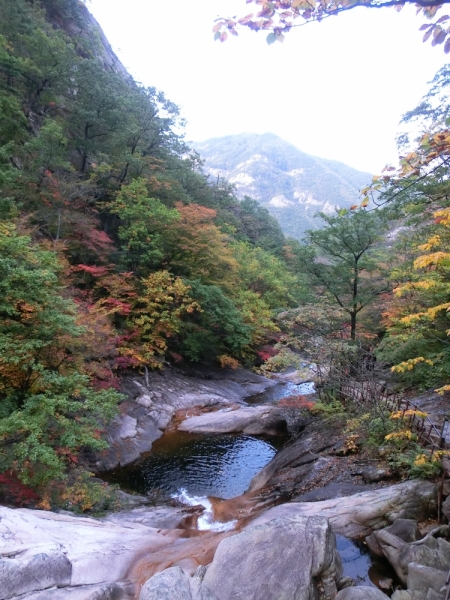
372 393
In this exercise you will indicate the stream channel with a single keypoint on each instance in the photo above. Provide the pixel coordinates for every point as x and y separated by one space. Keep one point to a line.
189 468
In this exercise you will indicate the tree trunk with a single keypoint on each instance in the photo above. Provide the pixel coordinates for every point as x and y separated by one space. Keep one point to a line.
353 325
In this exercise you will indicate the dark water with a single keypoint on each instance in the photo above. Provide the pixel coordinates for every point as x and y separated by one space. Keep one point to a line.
203 465
364 568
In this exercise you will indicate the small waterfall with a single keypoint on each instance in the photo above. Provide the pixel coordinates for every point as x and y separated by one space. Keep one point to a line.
206 520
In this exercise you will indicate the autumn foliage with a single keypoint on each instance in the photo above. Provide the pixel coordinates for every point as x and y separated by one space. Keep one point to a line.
116 252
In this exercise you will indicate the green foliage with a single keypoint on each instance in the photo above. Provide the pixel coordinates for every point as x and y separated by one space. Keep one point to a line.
144 223
51 427
116 251
266 275
342 261
329 408
217 329
48 411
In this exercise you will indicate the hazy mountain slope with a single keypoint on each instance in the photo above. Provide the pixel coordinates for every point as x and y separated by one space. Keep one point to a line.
293 185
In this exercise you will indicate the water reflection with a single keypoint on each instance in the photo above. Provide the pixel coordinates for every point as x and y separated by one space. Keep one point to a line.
219 465
364 568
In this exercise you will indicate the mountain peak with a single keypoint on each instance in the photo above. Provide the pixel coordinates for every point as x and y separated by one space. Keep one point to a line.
291 184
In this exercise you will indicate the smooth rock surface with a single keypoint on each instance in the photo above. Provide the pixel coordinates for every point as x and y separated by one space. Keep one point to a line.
33 572
421 579
357 515
281 559
360 593
170 584
253 421
98 552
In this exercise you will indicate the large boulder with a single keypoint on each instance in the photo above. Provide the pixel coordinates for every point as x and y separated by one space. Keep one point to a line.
251 420
171 584
355 516
421 579
33 572
282 559
40 550
405 529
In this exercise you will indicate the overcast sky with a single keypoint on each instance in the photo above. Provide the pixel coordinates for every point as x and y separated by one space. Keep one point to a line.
335 89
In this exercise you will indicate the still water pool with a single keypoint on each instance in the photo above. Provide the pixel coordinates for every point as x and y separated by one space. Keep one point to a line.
202 465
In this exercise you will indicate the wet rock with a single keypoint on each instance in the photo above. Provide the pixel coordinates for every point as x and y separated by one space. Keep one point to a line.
281 559
304 450
170 584
33 572
158 517
360 593
358 515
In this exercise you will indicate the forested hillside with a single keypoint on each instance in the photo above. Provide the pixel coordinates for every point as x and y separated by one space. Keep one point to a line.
117 252
292 185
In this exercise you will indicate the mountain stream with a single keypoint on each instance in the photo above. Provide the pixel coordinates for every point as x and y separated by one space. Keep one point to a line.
196 469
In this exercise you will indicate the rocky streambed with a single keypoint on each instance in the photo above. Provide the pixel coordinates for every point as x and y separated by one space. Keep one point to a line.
275 540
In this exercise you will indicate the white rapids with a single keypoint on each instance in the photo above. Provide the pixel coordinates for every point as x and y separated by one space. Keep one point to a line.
206 520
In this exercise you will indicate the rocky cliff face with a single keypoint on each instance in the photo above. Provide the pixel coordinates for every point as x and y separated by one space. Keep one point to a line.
74 18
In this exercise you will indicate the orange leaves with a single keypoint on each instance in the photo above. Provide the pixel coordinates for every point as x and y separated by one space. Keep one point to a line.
198 248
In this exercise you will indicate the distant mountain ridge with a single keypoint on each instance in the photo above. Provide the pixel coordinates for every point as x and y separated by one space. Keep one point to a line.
291 184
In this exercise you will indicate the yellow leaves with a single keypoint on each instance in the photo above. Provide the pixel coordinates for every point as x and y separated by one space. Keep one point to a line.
408 365
399 414
420 460
411 319
404 434
430 260
228 361
413 286
432 242
442 390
